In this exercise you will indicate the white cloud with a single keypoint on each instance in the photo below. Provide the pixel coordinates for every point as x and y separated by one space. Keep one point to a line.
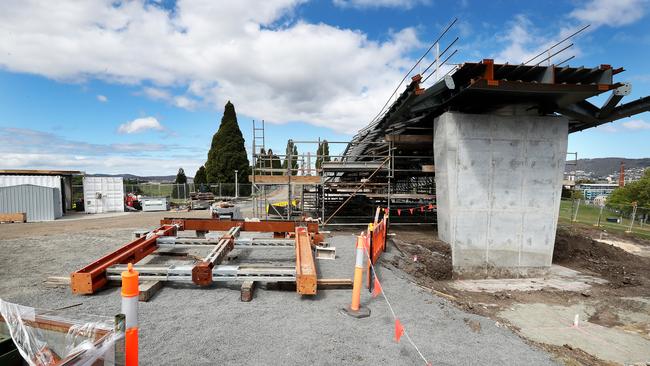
614 13
102 98
140 125
269 65
180 101
607 128
404 4
636 124
522 40
23 148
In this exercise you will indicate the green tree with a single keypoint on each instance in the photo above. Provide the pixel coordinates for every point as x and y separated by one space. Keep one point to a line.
228 153
275 162
291 152
323 154
180 185
637 191
200 179
261 162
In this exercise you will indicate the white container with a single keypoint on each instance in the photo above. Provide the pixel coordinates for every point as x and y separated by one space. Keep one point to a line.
103 194
154 204
49 181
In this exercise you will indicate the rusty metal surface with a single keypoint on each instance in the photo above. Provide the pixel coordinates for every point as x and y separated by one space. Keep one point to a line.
266 226
93 276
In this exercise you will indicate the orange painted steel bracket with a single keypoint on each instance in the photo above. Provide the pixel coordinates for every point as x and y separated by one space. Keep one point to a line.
93 276
306 278
202 271
267 226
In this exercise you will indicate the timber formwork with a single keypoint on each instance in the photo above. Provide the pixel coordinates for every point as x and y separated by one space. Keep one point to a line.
286 234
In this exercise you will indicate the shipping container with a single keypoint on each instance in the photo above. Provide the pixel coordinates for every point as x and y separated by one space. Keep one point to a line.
103 194
37 202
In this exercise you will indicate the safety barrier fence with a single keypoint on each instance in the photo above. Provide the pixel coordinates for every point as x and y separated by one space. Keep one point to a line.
621 218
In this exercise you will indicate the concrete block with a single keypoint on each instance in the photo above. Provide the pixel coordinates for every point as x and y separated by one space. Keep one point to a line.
498 184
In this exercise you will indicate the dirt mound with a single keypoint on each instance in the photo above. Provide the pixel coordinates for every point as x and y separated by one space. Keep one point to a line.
620 268
425 256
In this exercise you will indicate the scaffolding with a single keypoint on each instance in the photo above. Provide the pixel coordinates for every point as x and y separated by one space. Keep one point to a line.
341 188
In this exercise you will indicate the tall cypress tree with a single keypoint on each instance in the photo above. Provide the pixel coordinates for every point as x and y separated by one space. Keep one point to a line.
180 185
323 154
228 152
200 177
293 151
275 162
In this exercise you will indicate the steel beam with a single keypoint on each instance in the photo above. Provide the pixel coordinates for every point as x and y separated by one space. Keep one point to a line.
267 226
220 273
187 243
93 276
202 271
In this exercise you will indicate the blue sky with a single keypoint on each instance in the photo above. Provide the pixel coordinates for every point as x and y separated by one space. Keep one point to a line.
139 87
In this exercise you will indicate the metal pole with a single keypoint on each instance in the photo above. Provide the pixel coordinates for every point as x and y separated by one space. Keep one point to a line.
236 185
600 214
575 215
289 161
633 217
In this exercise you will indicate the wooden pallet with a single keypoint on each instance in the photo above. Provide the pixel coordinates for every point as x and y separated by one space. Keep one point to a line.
13 217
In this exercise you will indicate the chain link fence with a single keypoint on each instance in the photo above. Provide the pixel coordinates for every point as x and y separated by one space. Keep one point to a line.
177 193
614 217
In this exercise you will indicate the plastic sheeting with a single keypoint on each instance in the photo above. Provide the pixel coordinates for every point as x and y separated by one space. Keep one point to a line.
47 337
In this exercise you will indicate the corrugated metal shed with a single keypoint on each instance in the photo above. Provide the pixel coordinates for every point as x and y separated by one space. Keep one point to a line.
36 180
39 203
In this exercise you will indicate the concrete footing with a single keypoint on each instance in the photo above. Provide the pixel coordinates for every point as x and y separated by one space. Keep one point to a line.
498 189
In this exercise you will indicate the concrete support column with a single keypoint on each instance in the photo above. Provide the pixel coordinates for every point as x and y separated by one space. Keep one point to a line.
498 190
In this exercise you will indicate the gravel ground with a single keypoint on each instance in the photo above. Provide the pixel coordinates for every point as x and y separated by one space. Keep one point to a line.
186 325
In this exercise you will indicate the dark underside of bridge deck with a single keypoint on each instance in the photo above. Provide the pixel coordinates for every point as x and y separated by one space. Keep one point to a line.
406 127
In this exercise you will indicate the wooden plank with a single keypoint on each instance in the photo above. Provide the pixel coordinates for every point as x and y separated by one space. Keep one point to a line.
334 283
306 278
13 217
57 281
148 289
247 290
283 179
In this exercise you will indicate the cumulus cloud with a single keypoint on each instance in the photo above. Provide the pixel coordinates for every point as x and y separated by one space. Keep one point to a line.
102 98
522 40
614 13
636 124
404 4
140 125
272 66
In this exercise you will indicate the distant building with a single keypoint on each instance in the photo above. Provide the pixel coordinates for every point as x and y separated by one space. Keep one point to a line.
593 191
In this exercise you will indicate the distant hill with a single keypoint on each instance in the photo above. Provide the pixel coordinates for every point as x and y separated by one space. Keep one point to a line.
154 178
605 166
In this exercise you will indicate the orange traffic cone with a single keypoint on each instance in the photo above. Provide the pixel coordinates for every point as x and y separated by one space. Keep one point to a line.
355 309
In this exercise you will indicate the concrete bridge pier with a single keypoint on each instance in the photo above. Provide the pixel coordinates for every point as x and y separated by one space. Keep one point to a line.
498 188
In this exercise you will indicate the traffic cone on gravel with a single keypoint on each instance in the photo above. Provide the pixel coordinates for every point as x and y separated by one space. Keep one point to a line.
355 309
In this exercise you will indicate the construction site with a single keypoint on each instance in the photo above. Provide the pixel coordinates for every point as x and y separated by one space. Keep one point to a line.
437 235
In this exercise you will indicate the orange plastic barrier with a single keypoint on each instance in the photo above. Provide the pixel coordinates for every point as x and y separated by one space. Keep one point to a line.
377 233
